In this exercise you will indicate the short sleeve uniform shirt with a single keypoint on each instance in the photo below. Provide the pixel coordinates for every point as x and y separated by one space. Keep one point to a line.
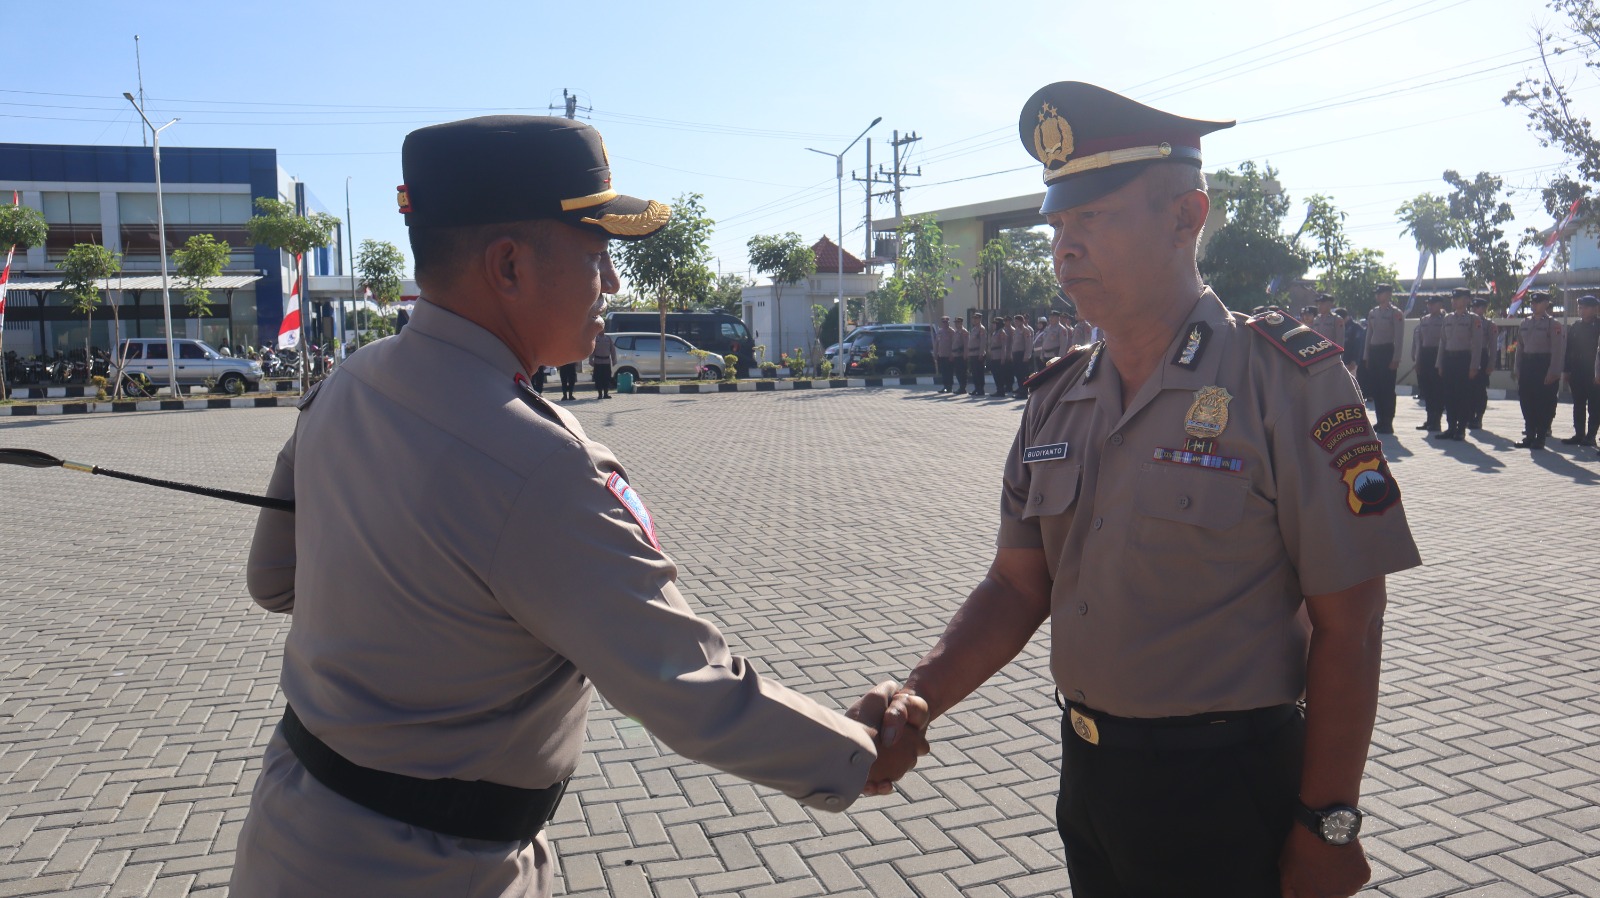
1183 534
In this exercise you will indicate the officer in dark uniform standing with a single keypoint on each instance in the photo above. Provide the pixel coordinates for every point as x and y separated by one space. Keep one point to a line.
1541 355
1386 325
1425 357
1488 362
1460 354
1583 345
1199 508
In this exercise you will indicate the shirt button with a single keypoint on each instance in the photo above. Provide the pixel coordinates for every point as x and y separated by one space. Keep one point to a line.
1183 501
1116 439
1038 499
1098 522
832 801
856 757
1078 696
1083 608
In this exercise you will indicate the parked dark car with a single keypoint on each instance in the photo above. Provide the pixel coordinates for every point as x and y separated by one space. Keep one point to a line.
896 353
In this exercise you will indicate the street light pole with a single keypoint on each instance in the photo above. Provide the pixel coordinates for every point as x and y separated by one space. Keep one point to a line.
161 230
838 173
350 251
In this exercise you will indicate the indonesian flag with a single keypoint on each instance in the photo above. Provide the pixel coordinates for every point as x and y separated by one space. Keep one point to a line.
289 330
5 276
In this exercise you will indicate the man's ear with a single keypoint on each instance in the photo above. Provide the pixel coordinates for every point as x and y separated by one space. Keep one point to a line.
1191 208
504 267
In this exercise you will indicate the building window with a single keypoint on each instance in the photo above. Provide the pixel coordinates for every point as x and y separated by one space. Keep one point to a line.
73 218
222 215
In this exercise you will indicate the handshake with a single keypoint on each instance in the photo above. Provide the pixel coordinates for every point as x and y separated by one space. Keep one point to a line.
898 720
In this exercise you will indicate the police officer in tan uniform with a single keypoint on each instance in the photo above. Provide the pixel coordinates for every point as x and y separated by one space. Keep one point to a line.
1488 361
446 638
1583 343
977 348
1460 355
1326 323
1000 354
1425 358
944 337
601 361
1386 324
1541 356
958 354
1021 347
1199 508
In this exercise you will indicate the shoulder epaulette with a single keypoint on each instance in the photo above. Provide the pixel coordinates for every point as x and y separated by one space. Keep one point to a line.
1295 340
1058 365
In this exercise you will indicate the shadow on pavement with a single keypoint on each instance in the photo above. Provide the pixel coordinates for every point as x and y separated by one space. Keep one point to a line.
1468 452
1558 464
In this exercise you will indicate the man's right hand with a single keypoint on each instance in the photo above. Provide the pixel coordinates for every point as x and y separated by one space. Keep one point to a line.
900 720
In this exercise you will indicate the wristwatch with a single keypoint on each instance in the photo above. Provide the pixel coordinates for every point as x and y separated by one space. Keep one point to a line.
1336 824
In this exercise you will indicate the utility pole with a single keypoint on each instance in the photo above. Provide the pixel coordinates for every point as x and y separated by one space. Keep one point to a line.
138 67
869 181
899 170
569 105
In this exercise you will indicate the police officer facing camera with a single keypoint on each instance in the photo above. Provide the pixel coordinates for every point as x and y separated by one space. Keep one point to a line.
447 638
1198 505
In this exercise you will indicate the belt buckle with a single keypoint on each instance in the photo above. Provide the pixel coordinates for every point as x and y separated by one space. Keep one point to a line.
1083 725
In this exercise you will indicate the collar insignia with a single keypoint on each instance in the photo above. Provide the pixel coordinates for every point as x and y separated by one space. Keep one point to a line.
1208 416
404 198
1189 353
1094 361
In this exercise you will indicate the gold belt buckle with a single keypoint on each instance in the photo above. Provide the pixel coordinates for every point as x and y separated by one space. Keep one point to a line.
1083 725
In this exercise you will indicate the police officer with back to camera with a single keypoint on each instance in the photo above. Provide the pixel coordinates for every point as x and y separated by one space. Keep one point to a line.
1488 361
1460 355
1583 345
1425 359
1198 505
1541 356
446 638
977 348
1386 325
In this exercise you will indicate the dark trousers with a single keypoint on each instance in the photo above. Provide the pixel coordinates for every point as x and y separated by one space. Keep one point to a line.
1122 813
947 371
602 379
975 372
1480 390
1428 383
1537 398
569 380
1459 390
1380 382
959 363
1019 372
1585 405
539 380
997 367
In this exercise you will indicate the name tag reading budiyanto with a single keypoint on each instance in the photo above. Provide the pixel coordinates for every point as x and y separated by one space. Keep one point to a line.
1044 453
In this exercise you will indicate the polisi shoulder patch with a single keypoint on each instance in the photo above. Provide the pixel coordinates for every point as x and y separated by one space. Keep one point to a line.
1295 340
1067 360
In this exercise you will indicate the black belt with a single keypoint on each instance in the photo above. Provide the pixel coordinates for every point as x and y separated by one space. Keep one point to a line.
1197 732
468 810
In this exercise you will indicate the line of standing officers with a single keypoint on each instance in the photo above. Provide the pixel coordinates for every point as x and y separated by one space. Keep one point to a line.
1455 353
1009 349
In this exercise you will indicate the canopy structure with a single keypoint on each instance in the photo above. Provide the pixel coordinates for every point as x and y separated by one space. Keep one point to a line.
139 282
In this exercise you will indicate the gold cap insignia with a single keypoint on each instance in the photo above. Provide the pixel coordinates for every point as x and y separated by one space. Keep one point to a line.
404 198
1208 416
1052 138
650 220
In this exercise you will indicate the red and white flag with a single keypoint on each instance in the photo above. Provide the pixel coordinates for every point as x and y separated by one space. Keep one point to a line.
1549 249
5 276
289 330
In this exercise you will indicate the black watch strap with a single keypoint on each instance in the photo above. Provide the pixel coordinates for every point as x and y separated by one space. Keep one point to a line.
1317 821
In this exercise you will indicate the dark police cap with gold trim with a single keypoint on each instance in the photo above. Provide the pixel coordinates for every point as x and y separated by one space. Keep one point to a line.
1092 141
500 168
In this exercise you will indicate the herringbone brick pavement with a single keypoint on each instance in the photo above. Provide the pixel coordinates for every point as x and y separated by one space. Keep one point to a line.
830 534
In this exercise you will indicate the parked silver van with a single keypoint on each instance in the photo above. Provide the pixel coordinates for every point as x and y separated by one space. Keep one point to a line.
640 354
198 364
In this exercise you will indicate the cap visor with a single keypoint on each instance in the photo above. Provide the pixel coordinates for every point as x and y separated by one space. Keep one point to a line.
1075 190
622 218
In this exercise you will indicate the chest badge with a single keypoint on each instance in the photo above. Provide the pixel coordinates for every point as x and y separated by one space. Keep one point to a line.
1208 416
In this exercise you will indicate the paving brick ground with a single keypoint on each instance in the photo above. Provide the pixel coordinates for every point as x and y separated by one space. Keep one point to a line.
830 534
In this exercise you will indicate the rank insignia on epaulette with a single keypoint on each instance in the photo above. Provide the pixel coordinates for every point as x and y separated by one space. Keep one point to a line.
1058 365
1294 339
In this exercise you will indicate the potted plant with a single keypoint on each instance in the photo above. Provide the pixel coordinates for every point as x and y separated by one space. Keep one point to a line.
769 369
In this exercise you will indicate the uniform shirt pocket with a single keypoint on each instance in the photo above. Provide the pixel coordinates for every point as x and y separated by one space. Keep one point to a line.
1187 512
1052 489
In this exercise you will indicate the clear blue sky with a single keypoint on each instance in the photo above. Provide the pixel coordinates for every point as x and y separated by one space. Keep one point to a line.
723 98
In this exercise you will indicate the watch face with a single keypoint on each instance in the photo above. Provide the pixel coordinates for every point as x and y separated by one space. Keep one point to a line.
1340 827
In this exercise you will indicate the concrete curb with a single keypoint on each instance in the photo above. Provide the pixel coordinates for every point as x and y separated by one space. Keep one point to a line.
145 405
